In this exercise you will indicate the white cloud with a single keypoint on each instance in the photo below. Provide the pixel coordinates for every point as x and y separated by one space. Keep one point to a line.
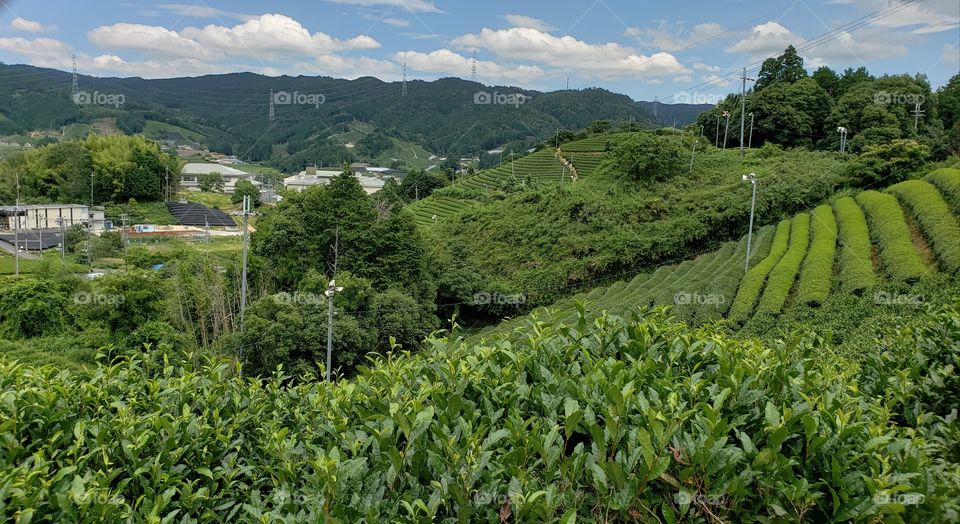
396 22
864 45
766 39
670 38
202 11
950 55
416 6
348 67
700 66
49 51
150 40
928 16
22 24
272 35
568 53
528 21
445 62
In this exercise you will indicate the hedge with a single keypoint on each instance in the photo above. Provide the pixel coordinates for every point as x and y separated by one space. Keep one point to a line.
933 214
784 274
817 274
854 257
948 181
889 230
753 281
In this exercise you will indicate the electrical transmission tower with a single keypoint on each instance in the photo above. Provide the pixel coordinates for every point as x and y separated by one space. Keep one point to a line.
473 66
76 85
271 105
403 88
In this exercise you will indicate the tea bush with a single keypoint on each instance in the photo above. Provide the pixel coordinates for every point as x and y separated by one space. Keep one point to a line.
947 180
752 283
633 419
889 229
784 274
817 275
933 214
855 265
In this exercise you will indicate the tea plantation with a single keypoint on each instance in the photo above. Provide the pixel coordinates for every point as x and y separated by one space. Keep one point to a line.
628 419
798 263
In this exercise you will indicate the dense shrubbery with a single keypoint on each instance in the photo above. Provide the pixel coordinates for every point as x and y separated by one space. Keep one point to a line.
888 163
891 233
817 275
856 267
934 216
121 168
645 157
630 420
753 281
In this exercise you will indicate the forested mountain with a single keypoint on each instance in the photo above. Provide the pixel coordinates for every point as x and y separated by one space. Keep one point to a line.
449 116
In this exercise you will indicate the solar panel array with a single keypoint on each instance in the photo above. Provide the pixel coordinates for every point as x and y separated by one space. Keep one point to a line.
193 214
33 239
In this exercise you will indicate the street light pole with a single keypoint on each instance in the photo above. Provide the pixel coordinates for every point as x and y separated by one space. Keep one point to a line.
16 230
332 289
752 177
243 275
843 139
750 141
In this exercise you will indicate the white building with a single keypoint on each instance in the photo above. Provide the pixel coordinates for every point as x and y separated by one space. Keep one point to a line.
321 177
192 171
52 216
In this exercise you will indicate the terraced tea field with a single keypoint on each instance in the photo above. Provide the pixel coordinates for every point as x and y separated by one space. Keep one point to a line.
912 227
541 166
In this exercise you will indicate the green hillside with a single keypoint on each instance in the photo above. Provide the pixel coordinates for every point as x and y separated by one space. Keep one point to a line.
799 264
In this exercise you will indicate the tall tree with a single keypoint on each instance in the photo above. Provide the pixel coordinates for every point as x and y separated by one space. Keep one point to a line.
787 67
828 80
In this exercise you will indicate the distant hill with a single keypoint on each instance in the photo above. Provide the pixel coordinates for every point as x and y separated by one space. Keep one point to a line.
230 113
668 114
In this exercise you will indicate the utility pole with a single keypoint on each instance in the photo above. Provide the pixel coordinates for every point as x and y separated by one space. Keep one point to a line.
16 230
743 106
694 152
166 191
243 272
726 128
63 242
716 140
917 113
701 130
750 142
752 177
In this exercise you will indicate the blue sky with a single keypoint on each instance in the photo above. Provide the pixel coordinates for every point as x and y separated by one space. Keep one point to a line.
680 51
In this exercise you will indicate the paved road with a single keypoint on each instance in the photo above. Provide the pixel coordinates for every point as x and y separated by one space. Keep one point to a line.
8 247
